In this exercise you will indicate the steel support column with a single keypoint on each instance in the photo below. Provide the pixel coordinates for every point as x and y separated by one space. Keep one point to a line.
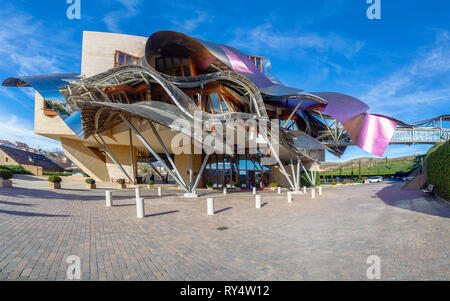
169 157
197 181
133 163
113 158
279 162
154 153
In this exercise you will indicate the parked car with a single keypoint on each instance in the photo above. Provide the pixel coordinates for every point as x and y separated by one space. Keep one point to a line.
376 179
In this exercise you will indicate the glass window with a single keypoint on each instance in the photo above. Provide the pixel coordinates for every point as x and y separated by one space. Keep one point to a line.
121 59
186 70
215 103
168 62
208 105
224 104
186 67
160 65
177 65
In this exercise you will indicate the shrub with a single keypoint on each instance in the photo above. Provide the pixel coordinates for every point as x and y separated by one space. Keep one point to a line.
90 181
273 185
54 179
56 173
438 169
16 169
209 184
344 182
351 181
238 185
334 183
6 174
121 181
151 182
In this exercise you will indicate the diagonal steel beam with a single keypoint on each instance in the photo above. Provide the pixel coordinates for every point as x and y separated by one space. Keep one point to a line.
154 153
113 158
293 112
279 161
306 173
169 157
293 171
197 181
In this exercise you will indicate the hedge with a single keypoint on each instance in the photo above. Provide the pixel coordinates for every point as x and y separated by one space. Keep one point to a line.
16 169
57 173
438 169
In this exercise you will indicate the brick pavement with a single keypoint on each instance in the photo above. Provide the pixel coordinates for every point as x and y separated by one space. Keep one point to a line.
328 238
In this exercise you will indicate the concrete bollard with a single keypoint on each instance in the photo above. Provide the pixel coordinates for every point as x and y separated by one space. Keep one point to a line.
210 206
140 207
289 197
108 194
279 190
138 193
258 202
319 190
304 189
159 191
225 191
254 190
313 192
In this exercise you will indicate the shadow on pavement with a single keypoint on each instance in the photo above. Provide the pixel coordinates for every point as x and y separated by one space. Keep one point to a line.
413 200
30 214
63 194
15 204
162 213
223 210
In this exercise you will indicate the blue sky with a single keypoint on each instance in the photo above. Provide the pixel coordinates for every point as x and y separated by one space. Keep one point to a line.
399 65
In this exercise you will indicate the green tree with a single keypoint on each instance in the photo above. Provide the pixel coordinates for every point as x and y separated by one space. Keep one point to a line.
359 169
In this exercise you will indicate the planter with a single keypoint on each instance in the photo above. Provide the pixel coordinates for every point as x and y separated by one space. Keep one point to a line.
54 185
91 186
6 183
238 188
150 186
273 188
210 188
121 186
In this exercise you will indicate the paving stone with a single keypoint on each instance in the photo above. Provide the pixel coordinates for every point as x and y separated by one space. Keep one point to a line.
328 238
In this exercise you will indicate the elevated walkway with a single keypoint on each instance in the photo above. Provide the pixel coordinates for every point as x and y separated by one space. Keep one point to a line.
420 136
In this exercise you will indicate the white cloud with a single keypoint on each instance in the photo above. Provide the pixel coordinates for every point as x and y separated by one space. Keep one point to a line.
114 18
188 24
409 88
265 37
21 40
13 128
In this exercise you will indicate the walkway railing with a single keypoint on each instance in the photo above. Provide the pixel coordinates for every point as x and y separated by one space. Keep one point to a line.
420 136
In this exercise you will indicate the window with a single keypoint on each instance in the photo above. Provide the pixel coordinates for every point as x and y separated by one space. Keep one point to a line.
122 58
257 61
217 107
175 66
127 94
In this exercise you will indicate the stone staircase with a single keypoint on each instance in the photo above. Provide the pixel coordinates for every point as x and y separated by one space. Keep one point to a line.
417 182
